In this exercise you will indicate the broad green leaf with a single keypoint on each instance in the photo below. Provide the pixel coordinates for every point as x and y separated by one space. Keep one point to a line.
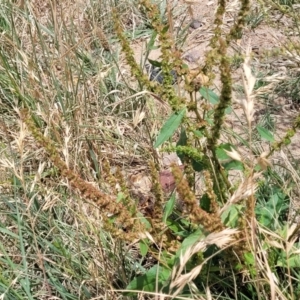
169 207
155 277
169 127
269 213
209 95
292 262
265 134
265 216
230 216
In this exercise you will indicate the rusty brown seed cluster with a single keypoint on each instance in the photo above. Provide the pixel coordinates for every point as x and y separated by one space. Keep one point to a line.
127 227
210 221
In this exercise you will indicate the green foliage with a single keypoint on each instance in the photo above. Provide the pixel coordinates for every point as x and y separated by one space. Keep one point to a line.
226 161
170 127
265 134
153 280
169 208
272 207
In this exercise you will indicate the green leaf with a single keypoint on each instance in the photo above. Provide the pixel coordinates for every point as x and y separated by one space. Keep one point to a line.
144 247
165 29
234 165
26 287
221 153
270 212
292 262
228 110
205 202
150 45
227 162
209 95
265 134
185 67
154 63
182 142
209 118
249 258
212 98
199 133
120 197
8 232
170 127
198 166
230 216
144 220
177 228
156 277
169 207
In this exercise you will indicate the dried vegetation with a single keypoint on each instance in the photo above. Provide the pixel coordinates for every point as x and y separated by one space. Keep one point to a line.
90 207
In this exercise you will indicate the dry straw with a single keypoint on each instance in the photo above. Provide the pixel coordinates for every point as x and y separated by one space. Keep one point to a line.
249 82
